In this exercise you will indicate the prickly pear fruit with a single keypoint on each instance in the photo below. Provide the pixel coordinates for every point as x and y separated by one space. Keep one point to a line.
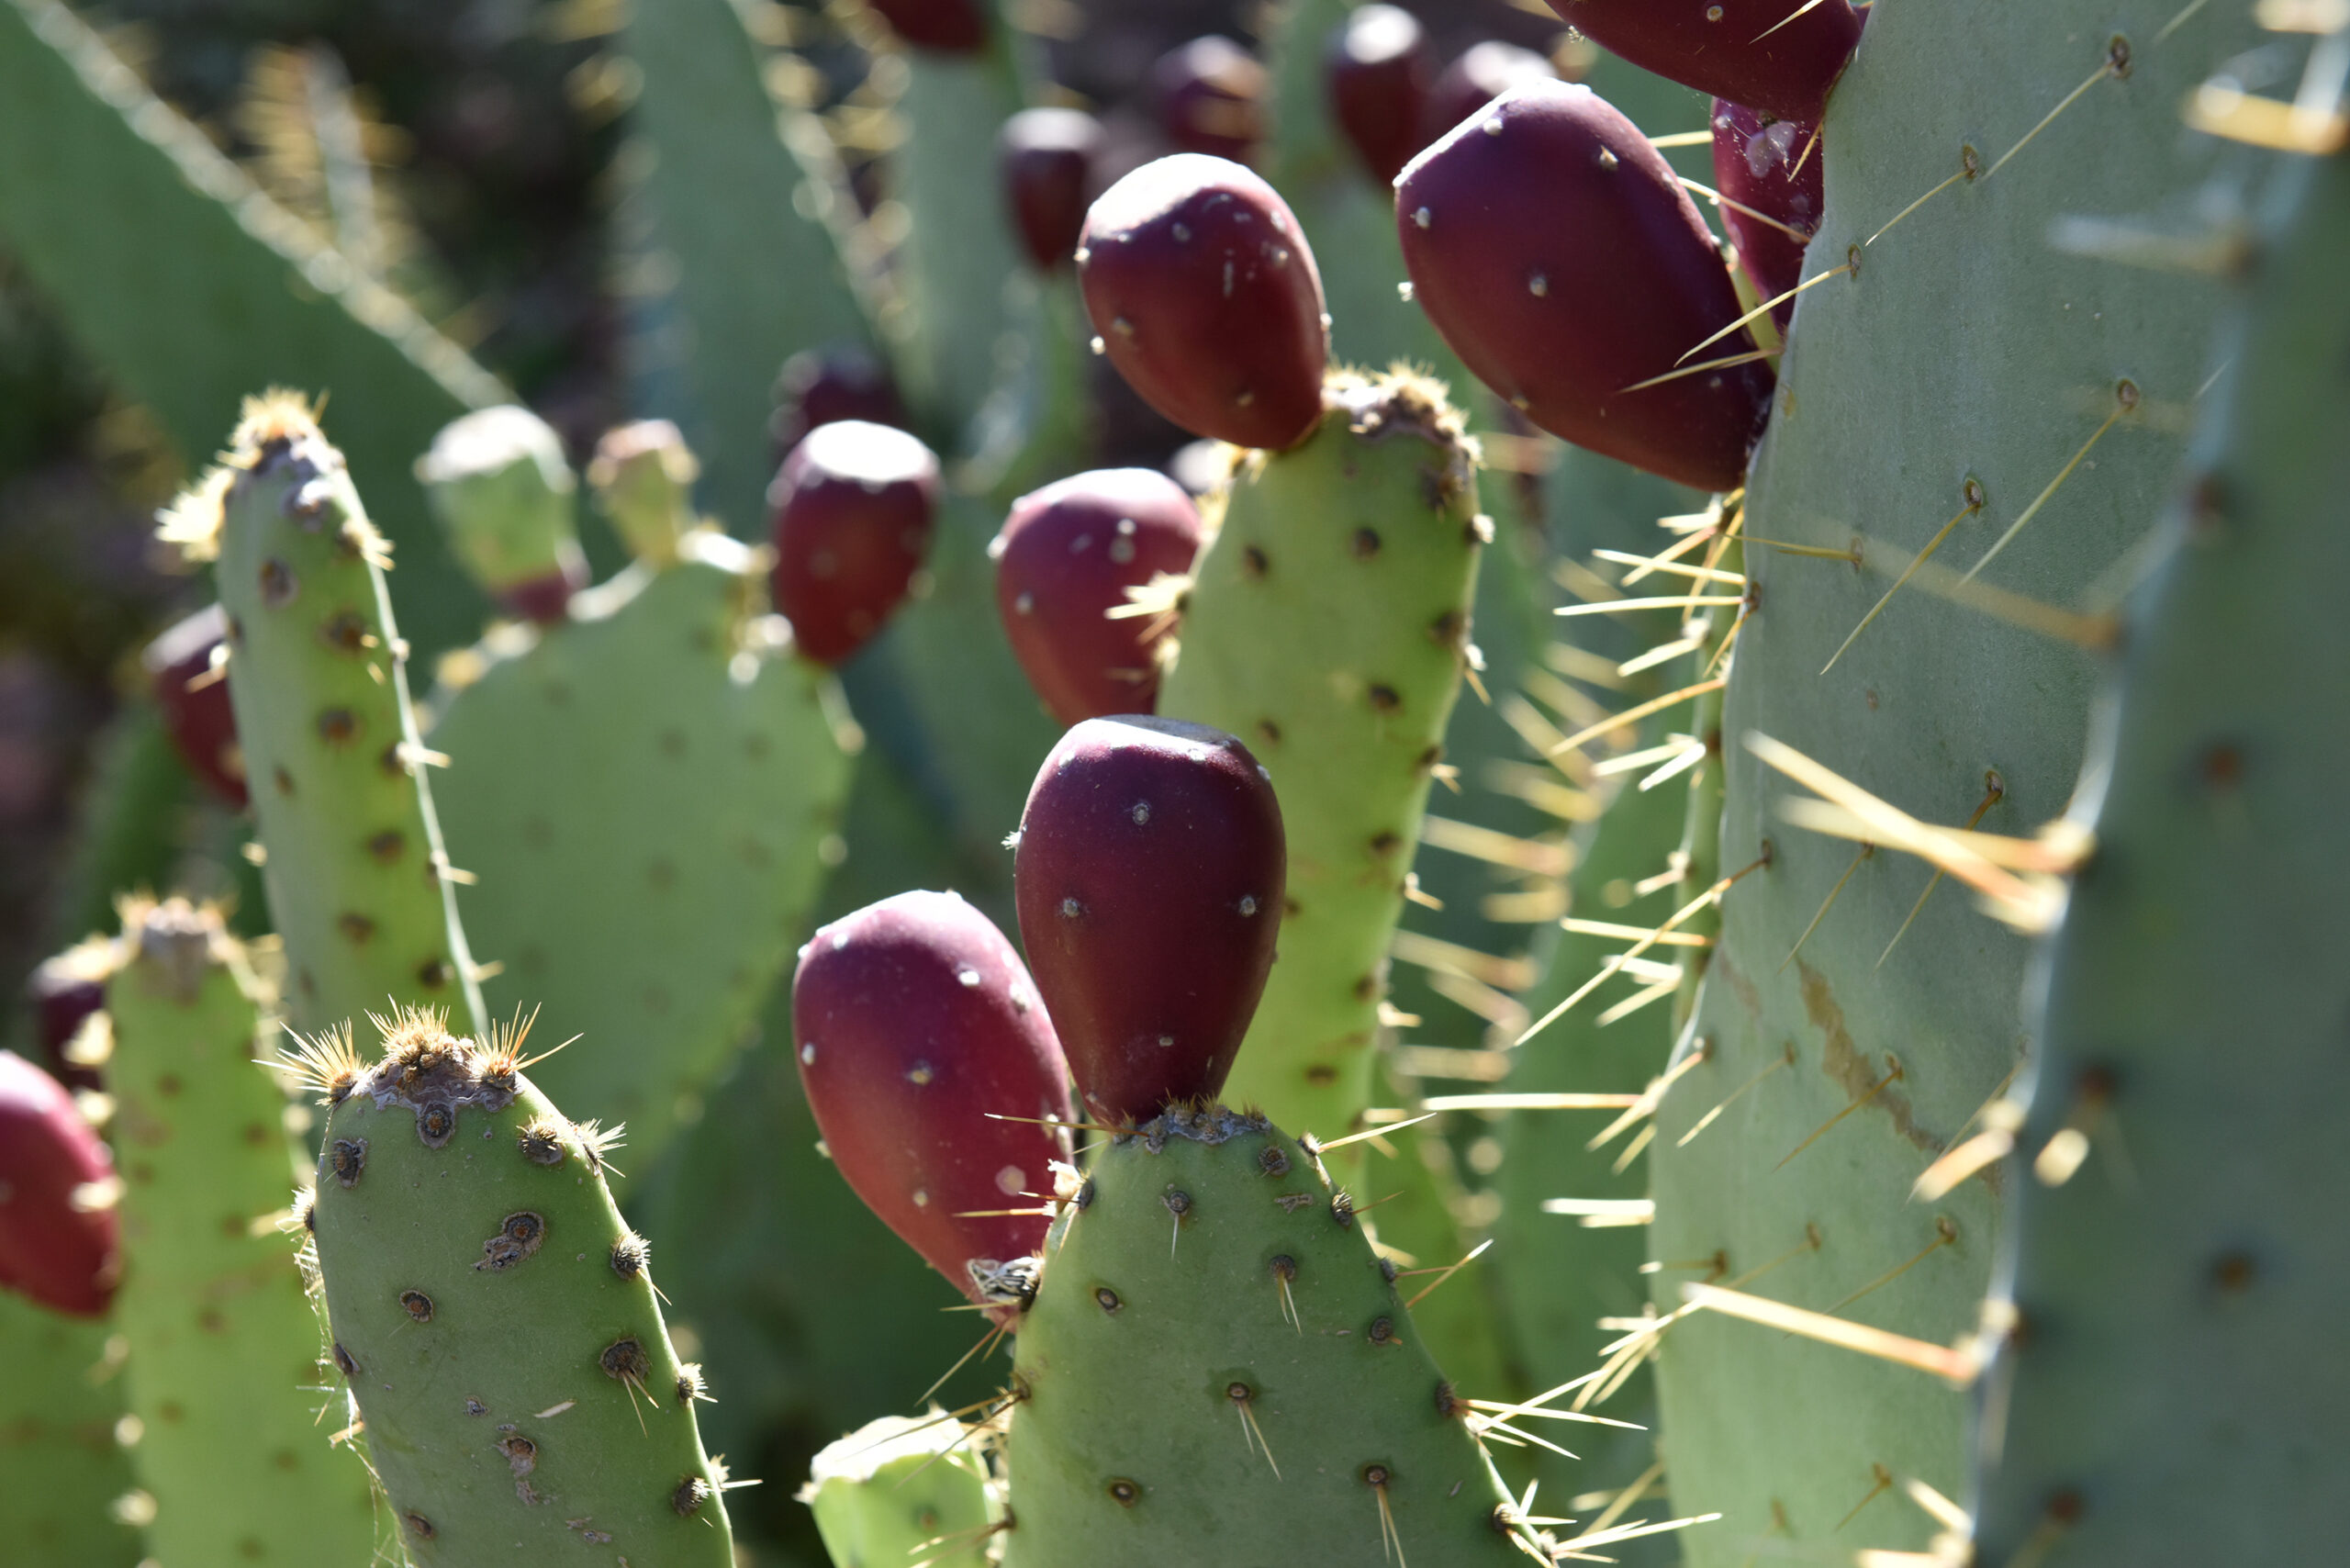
916 1025
1557 254
184 670
59 1236
951 27
1780 56
1210 97
1755 165
1377 72
1482 72
1047 158
643 476
66 991
839 381
1198 278
902 1489
1149 880
497 481
853 507
1065 560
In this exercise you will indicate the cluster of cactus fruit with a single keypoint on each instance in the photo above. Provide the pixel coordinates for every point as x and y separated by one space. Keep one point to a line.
1145 1143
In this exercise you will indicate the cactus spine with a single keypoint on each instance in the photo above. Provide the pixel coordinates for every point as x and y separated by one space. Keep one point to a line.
317 673
495 1318
225 1350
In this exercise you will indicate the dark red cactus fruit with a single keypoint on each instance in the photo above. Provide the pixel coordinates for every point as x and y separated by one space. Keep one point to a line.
915 1021
192 696
1211 99
1755 158
1065 559
1199 281
1149 880
1378 72
950 27
1483 73
65 990
1048 157
58 1231
852 508
825 385
1560 259
1780 56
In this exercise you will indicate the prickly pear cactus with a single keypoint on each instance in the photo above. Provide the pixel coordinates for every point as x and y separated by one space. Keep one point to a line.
494 1319
644 792
240 295
317 672
902 1489
1208 1268
225 1349
2173 1317
1326 627
2027 386
59 1408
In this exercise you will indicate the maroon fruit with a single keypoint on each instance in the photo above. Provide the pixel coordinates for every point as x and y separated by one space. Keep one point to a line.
1065 559
1210 97
852 508
1199 281
192 692
1149 880
951 27
1560 258
1781 56
915 1023
65 990
1755 164
822 386
1048 157
1483 73
58 1232
1377 70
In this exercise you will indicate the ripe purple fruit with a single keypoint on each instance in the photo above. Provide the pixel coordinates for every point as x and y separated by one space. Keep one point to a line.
1210 97
951 27
913 1022
1047 158
192 693
822 386
1377 70
1560 259
1755 158
1066 557
1199 281
1780 56
852 505
1149 881
59 1236
1483 73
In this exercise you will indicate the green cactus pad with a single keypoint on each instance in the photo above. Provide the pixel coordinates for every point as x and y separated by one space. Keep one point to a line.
191 287
58 1409
317 672
644 792
902 1490
495 1319
225 1347
1326 626
1216 1368
1964 352
2174 1391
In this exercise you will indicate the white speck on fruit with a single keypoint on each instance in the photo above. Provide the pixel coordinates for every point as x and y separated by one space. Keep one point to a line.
920 1074
808 1053
922 1199
1025 604
966 976
1011 1182
1538 286
1423 217
1248 904
1607 158
1141 812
